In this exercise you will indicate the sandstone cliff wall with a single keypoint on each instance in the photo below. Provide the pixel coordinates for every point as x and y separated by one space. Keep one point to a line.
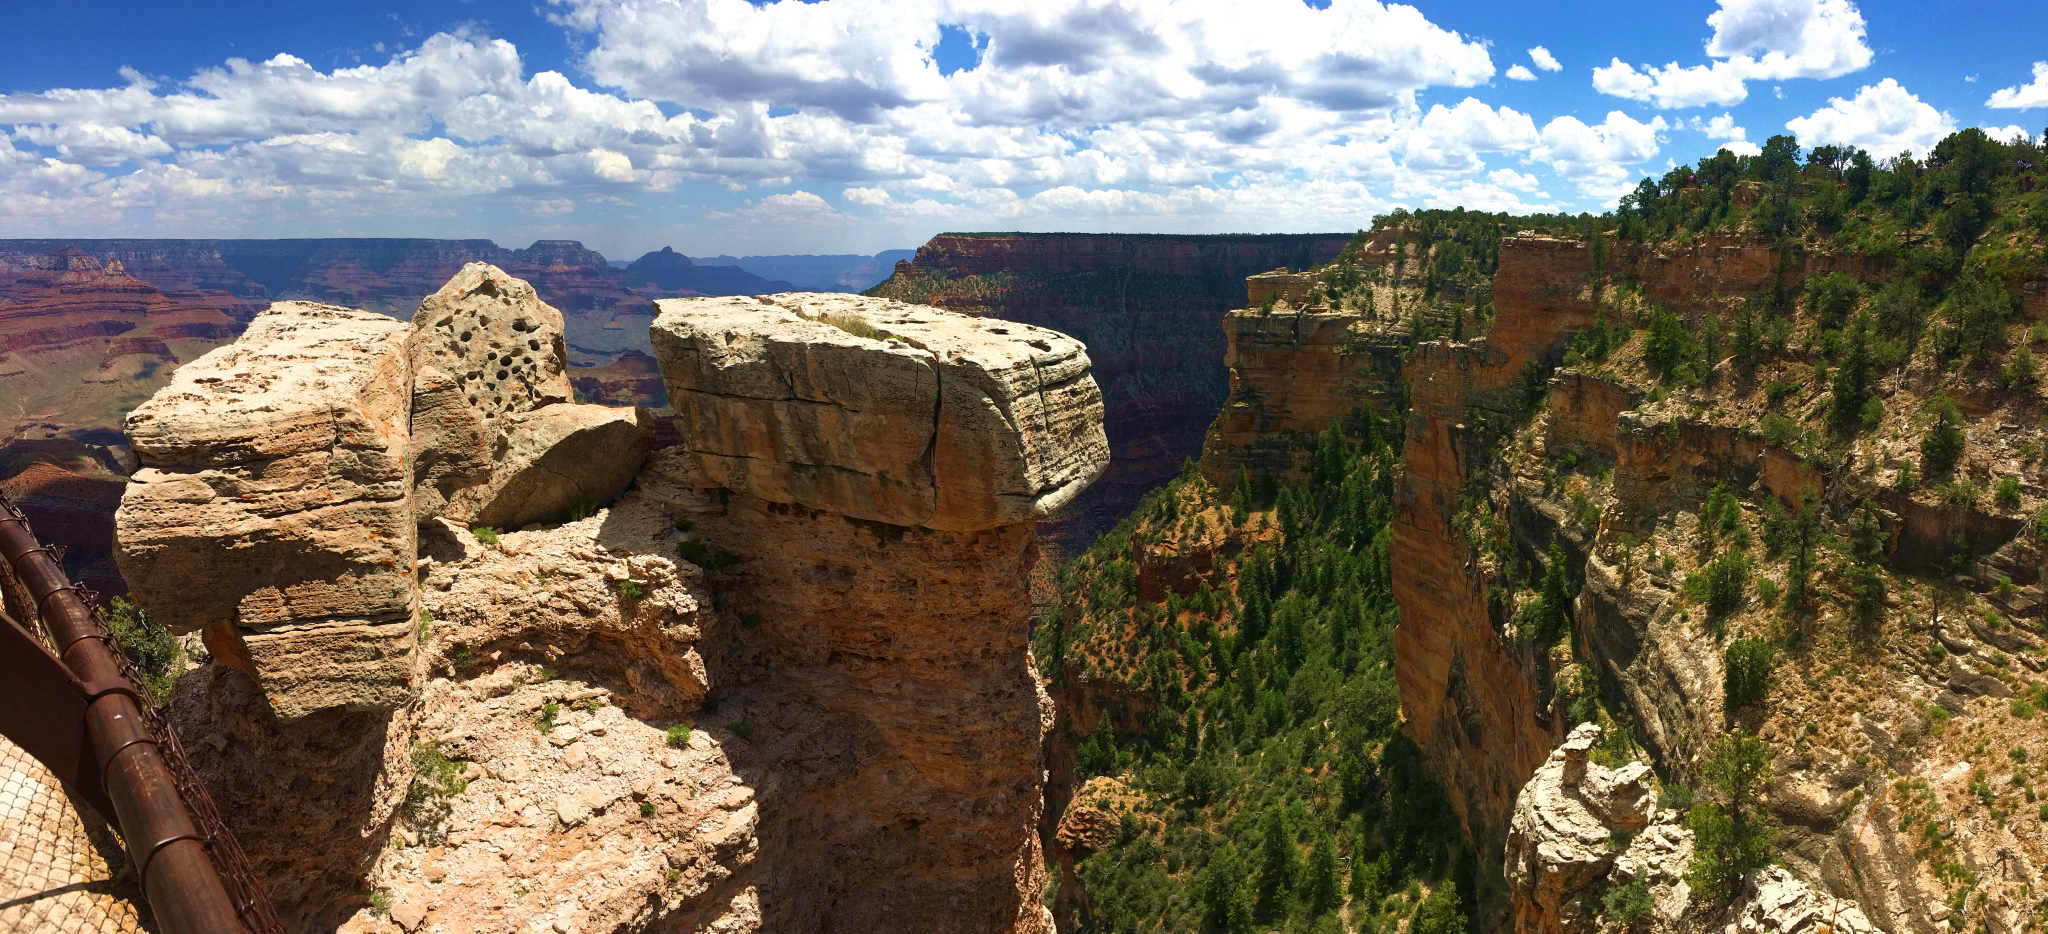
1294 372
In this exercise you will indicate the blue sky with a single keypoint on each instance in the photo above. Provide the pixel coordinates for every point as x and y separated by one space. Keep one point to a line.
720 126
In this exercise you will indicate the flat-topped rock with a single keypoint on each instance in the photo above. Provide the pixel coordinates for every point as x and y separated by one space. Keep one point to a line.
881 410
273 509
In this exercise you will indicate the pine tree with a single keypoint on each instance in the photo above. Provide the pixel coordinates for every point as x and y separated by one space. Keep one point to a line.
1319 886
1731 838
1279 862
1227 893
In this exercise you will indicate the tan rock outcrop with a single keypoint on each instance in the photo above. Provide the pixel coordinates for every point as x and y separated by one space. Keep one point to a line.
553 460
886 674
273 506
942 420
1294 371
499 444
1560 846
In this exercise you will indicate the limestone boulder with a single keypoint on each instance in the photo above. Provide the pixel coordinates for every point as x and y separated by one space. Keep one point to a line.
1562 840
551 461
502 345
881 410
272 507
496 440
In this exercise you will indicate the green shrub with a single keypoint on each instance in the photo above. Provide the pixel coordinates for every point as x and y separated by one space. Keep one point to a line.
631 590
548 712
435 779
678 736
741 729
1730 836
155 653
1629 903
1779 430
1747 671
1721 585
582 509
855 326
2007 492
1943 444
646 809
485 534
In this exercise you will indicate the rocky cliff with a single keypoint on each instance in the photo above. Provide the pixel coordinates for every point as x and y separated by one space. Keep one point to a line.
738 697
1148 308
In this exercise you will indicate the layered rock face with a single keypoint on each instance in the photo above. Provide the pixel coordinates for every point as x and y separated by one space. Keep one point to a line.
1147 308
988 424
1295 371
890 673
273 507
1560 846
1475 697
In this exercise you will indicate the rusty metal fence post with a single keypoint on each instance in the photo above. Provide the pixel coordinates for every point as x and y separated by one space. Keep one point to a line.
102 735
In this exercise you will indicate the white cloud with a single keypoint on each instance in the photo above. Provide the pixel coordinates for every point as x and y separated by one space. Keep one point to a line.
1883 118
1593 157
2024 96
1174 114
1509 178
2008 134
1754 40
1721 127
1741 148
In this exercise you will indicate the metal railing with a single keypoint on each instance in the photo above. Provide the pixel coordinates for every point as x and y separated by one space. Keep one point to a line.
74 703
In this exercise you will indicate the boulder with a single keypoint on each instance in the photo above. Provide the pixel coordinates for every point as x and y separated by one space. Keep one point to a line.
497 339
497 442
1561 841
551 461
898 413
273 510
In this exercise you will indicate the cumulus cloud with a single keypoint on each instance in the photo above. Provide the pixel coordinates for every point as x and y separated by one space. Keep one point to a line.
1187 114
2024 96
1753 40
1593 156
1883 118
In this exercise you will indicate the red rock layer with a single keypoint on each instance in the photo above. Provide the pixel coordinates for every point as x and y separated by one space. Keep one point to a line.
1471 695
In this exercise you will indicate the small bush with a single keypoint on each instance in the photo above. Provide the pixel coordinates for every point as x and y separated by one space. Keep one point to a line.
2007 492
646 809
741 729
1779 430
1675 798
678 736
1943 444
582 509
1627 904
631 590
2022 709
485 534
150 647
435 779
855 327
548 713
1748 671
1721 585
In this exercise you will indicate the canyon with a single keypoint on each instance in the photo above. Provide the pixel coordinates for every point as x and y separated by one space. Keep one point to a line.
1148 307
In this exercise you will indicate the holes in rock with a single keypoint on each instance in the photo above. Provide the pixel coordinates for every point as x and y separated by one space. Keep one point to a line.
526 360
482 321
533 345
465 336
501 375
519 325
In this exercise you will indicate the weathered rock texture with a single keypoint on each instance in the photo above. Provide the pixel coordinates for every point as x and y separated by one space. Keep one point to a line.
1471 692
1295 371
273 506
950 422
598 821
888 674
1560 846
893 703
498 444
1146 306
